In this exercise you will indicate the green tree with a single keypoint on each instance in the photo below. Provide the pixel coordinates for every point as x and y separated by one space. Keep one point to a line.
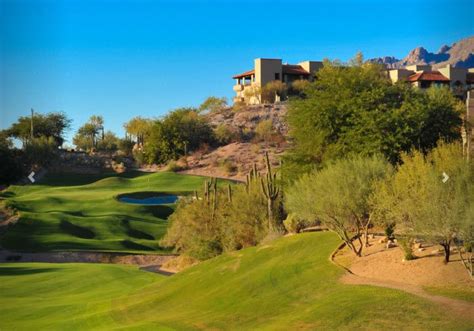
179 132
109 142
52 125
272 90
139 128
339 196
213 104
356 109
425 206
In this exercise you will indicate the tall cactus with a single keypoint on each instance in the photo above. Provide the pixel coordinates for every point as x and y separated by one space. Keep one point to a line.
229 193
270 190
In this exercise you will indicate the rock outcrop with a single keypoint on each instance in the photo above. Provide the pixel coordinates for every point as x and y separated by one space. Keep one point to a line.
460 54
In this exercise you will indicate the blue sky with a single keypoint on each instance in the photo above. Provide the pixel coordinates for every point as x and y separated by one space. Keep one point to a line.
122 59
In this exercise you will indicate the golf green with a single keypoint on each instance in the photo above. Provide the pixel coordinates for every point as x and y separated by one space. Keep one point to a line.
81 212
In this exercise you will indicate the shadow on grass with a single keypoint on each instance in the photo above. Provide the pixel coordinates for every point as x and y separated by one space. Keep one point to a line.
159 211
135 246
7 194
134 233
76 230
72 179
19 271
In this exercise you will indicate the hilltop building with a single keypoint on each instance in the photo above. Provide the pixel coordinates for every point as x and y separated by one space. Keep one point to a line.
460 80
268 70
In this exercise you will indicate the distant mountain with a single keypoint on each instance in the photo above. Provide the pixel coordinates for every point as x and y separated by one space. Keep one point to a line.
459 54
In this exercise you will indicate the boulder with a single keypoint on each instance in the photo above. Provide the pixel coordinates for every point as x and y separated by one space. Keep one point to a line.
383 240
391 244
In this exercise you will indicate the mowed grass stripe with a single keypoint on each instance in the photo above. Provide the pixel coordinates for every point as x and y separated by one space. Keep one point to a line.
80 212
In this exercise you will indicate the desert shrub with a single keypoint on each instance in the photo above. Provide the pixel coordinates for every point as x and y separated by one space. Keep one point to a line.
213 104
238 106
228 166
224 219
175 166
293 224
139 157
224 134
406 245
272 90
41 151
264 130
390 231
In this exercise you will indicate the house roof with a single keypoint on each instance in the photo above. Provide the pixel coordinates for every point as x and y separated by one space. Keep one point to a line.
431 76
244 74
294 70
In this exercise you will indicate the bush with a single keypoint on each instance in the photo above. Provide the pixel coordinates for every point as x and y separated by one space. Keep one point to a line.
228 166
264 130
390 231
174 166
125 146
197 230
224 134
406 244
41 151
293 224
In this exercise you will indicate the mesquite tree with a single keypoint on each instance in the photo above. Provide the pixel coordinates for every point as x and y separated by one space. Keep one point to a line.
424 202
339 196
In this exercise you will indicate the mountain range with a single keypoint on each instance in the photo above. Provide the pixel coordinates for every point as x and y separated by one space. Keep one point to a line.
460 54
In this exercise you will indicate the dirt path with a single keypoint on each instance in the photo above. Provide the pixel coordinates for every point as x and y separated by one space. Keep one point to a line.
384 268
461 308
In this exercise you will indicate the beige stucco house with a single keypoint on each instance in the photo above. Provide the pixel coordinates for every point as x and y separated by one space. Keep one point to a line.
268 70
423 76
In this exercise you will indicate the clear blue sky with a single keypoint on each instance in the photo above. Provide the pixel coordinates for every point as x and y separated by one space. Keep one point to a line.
121 59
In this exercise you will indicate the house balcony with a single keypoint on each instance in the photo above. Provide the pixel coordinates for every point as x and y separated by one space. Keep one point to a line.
238 87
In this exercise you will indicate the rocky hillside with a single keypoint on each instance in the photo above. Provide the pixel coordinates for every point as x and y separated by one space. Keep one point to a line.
235 159
459 54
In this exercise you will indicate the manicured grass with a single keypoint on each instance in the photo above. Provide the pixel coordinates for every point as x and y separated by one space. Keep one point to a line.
287 285
81 212
459 293
44 296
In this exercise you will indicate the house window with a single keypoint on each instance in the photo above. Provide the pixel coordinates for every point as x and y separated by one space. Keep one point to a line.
277 76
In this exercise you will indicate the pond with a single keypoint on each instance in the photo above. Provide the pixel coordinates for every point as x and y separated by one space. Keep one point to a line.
148 198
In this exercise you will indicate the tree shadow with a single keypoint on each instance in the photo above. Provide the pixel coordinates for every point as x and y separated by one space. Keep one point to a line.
135 246
19 271
76 230
134 233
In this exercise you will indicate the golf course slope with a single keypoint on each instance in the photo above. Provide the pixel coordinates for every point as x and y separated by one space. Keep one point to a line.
81 212
287 284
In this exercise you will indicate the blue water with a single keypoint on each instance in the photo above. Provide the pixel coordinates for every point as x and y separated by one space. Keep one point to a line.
158 200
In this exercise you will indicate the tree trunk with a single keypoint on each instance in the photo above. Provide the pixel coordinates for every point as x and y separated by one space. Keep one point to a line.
270 213
447 251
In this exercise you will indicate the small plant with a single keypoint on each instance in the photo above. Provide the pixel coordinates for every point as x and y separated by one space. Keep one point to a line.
264 130
390 231
173 166
228 166
293 224
406 244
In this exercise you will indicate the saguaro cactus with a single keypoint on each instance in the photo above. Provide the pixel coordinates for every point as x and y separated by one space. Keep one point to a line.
229 193
270 190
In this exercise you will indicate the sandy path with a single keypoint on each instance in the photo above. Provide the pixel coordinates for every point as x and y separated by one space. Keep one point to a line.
461 308
384 268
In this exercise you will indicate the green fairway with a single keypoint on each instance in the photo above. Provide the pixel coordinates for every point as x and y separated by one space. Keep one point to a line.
289 284
81 212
